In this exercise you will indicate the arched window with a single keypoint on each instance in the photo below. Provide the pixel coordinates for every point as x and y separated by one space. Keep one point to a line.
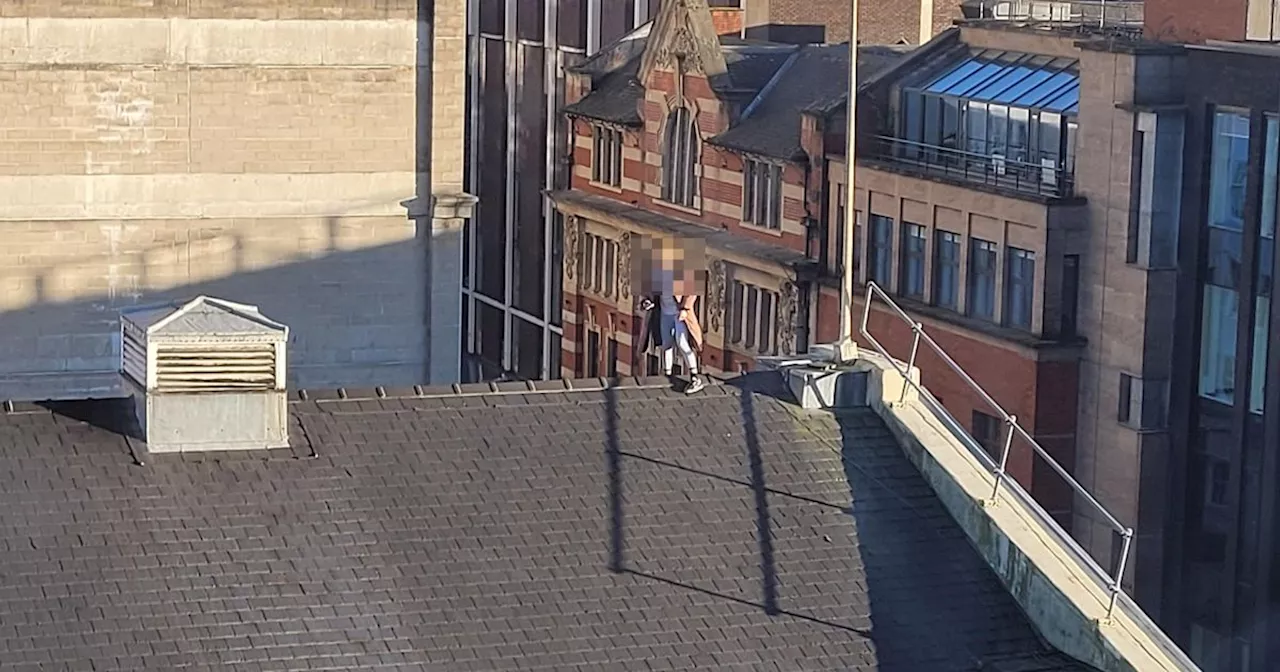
679 156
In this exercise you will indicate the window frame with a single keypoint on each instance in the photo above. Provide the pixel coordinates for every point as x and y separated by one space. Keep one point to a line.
912 259
606 155
753 319
1019 262
950 237
598 265
880 250
680 145
762 193
977 272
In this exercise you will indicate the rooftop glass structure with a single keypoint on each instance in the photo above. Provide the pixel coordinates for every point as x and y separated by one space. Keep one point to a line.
1007 118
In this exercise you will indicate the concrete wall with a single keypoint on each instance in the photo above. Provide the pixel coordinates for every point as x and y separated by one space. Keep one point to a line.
258 150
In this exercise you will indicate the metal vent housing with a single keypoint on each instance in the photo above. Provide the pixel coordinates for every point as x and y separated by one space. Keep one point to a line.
206 374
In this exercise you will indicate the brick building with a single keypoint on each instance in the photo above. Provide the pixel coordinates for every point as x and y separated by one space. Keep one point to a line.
274 153
520 52
989 202
635 173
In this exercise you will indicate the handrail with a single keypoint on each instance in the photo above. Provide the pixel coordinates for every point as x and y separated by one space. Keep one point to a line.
1113 582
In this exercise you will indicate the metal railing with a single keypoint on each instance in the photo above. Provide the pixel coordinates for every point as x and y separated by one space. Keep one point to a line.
1048 179
1124 16
1013 428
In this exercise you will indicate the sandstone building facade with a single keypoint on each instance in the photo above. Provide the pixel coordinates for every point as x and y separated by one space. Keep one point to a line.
306 158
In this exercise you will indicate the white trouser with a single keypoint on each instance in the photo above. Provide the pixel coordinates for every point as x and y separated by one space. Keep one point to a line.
675 335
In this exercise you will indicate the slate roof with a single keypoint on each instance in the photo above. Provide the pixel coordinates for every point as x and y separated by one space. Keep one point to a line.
553 530
616 93
771 125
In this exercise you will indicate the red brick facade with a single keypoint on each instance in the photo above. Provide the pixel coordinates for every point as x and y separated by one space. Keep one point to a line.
601 324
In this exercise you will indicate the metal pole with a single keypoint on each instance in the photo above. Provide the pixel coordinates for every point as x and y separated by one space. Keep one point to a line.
846 347
911 363
1004 456
1124 560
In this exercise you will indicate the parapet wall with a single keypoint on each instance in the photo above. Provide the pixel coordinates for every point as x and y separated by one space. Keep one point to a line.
1063 598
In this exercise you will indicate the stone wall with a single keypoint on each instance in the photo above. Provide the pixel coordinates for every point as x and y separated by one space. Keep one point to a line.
258 150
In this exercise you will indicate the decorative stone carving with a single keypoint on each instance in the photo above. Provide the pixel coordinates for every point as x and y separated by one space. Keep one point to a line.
624 267
715 295
572 231
788 299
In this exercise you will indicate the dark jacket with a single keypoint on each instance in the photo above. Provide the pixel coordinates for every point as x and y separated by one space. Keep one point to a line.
650 333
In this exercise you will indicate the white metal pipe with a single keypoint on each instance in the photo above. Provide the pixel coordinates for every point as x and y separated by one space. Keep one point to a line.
846 348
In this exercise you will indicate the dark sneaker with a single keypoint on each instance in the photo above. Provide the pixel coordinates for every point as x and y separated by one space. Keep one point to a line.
695 385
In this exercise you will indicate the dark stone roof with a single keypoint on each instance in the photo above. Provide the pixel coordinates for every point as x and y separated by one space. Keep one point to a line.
616 93
553 530
615 97
717 238
818 74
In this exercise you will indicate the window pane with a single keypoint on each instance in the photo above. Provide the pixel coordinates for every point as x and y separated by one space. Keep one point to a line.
527 349
912 271
1229 170
1021 282
1218 344
946 278
490 331
880 251
572 29
982 281
529 19
735 335
766 321
753 298
493 15
491 212
529 249
557 261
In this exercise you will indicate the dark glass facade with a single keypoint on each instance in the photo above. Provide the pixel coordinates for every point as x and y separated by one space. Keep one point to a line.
518 51
1222 591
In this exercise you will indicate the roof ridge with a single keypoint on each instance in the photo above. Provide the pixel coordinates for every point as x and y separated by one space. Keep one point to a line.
492 388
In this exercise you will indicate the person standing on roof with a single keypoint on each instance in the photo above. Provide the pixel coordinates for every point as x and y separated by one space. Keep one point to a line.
678 319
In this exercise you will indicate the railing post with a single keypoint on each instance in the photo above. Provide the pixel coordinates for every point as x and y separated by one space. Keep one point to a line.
1125 545
911 363
1011 422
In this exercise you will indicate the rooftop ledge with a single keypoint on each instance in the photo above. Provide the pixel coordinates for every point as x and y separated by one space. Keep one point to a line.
1063 598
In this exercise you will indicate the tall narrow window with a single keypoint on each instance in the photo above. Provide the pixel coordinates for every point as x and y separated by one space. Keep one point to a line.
1070 295
1019 288
753 319
835 256
981 299
606 158
911 284
611 358
1124 409
946 272
679 158
593 354
762 194
1139 190
1228 173
880 251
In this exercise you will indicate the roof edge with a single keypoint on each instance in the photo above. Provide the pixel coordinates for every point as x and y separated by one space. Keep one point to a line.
1044 569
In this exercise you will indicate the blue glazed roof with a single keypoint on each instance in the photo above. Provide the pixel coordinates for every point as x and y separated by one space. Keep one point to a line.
1008 78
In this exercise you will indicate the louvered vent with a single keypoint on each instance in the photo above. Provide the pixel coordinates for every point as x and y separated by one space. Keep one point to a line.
218 367
206 374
